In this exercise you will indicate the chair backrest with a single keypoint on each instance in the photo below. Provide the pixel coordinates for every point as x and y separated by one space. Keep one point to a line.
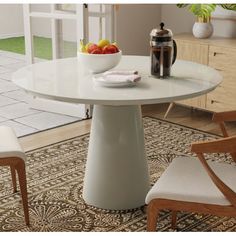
220 118
224 116
225 145
222 145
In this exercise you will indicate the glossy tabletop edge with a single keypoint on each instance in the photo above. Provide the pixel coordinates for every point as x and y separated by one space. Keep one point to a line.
18 78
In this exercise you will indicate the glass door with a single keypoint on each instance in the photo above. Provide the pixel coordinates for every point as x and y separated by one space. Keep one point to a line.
59 28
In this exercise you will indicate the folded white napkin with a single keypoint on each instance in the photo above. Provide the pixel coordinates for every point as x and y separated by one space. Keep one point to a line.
121 76
121 72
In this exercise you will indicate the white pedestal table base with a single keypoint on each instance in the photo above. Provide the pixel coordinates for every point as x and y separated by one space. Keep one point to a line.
116 176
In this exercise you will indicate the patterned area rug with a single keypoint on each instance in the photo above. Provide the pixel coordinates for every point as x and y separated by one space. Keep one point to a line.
55 181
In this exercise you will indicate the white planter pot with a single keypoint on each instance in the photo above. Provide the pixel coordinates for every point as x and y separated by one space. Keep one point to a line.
202 30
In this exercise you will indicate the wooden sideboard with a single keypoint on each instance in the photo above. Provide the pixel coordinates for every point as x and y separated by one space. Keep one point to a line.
219 53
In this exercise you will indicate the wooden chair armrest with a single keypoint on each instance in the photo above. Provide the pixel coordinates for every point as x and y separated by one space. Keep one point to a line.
223 145
224 116
226 190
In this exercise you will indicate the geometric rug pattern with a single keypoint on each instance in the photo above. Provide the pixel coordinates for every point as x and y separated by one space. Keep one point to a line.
55 181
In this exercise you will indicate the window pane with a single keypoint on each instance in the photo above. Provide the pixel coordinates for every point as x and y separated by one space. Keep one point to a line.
40 7
66 7
103 28
41 31
68 38
96 8
95 32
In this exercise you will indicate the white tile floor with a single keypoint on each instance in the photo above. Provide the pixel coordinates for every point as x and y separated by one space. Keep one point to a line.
14 109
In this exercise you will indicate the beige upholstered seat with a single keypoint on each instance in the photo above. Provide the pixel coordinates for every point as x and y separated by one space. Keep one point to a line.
11 154
186 180
9 145
197 185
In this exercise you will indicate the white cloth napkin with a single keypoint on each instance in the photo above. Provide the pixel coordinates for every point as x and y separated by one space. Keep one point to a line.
120 72
121 76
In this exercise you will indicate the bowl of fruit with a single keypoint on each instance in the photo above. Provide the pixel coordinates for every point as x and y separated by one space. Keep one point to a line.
99 57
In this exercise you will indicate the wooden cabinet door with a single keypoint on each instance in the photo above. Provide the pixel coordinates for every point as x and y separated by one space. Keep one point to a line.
195 52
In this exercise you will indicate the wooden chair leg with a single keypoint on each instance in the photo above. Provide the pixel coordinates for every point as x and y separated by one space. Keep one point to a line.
169 109
13 176
152 217
223 129
173 219
23 188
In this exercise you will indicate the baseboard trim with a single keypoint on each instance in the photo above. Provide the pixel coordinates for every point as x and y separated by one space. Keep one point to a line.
13 35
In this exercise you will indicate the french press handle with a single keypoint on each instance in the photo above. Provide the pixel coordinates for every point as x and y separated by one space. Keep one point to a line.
175 52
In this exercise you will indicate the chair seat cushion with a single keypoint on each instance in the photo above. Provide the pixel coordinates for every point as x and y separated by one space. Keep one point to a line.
9 145
185 179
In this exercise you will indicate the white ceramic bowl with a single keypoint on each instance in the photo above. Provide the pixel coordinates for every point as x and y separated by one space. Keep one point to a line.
98 63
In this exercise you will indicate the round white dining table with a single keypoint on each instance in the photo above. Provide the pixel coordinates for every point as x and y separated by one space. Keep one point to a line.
116 175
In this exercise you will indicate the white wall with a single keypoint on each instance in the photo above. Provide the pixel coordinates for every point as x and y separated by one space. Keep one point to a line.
224 28
134 24
180 20
11 20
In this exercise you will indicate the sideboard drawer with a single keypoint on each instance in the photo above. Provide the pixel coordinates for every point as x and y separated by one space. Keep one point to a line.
223 98
222 58
229 79
218 106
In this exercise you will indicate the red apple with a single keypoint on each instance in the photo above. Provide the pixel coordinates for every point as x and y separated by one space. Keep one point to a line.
97 51
109 49
117 49
92 47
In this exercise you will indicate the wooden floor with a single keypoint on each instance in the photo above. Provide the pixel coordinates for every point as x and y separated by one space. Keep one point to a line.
182 115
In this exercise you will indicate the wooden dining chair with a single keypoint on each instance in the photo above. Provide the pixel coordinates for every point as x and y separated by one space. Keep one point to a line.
12 155
221 118
197 185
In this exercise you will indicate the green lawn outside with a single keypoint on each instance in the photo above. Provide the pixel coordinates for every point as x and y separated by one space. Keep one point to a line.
42 47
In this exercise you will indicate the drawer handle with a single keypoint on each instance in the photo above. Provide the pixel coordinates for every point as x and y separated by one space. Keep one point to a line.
215 53
214 101
218 69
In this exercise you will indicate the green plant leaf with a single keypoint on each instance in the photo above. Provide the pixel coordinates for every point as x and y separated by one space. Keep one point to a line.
202 10
182 5
231 7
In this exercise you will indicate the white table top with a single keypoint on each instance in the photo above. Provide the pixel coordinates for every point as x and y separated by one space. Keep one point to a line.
67 80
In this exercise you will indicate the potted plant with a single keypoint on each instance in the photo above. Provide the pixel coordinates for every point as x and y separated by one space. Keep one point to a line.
203 28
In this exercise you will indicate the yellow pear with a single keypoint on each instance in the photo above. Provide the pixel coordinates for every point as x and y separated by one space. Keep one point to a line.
82 47
103 42
87 46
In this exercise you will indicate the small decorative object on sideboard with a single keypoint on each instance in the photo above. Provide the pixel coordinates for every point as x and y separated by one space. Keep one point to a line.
163 52
203 28
99 57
